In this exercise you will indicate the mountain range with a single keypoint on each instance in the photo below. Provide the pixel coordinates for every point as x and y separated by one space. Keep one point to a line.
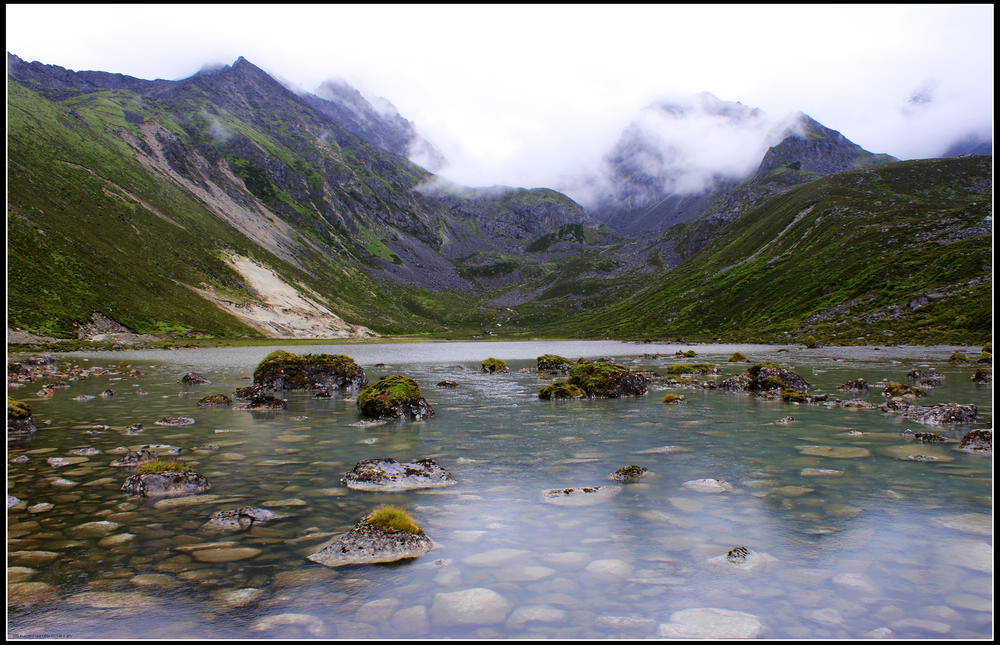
225 204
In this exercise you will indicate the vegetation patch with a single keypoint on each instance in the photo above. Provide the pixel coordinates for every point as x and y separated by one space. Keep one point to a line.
494 365
17 410
737 357
284 370
692 368
673 399
393 519
561 391
161 466
607 379
553 363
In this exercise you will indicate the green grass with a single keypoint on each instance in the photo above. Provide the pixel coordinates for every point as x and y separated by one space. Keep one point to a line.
160 466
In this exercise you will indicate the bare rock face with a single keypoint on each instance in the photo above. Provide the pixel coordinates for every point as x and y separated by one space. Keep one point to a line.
366 543
193 378
628 474
390 475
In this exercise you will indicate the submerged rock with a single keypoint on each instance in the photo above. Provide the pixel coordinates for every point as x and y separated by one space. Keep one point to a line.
281 370
711 623
248 392
582 496
171 420
238 519
394 396
982 376
708 486
390 475
476 606
265 403
371 541
922 437
447 383
931 414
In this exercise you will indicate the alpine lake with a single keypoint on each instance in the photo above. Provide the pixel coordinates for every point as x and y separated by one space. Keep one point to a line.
858 543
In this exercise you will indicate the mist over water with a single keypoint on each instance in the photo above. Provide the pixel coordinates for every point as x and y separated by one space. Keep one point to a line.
852 544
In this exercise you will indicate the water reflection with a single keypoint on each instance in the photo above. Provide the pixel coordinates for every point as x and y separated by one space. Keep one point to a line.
853 544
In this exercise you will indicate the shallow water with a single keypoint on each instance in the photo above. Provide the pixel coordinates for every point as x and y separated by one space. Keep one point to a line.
880 543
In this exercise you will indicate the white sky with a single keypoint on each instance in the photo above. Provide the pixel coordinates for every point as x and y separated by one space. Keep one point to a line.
526 94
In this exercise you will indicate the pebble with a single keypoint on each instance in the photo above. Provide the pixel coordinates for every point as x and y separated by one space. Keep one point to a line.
711 486
495 558
153 580
855 582
312 624
41 507
834 452
113 600
820 472
93 529
711 623
537 614
30 593
19 574
237 597
476 606
608 570
225 554
921 625
411 622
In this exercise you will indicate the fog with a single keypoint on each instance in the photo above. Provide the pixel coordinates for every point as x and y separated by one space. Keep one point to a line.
540 95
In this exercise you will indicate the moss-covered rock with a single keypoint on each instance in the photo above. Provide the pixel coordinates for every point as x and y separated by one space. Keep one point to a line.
561 390
387 534
20 425
985 357
165 479
737 357
494 366
281 370
394 396
982 376
553 363
673 399
690 368
958 357
607 380
855 385
791 396
898 389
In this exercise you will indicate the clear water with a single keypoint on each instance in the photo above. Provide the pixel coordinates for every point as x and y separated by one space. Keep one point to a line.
887 543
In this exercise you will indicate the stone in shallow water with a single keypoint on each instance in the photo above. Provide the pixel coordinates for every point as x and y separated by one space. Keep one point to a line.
238 519
855 582
535 614
113 600
582 496
31 558
608 570
367 544
708 486
978 523
969 554
411 622
153 580
969 601
390 475
237 597
476 606
707 622
225 554
30 593
917 452
19 574
741 559
93 529
821 472
115 540
834 452
496 557
312 624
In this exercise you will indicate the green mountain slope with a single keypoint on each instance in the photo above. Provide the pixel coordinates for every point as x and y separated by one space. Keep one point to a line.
901 252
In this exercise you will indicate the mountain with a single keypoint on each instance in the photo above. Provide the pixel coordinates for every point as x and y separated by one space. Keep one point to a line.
382 126
970 144
900 252
226 204
225 166
659 174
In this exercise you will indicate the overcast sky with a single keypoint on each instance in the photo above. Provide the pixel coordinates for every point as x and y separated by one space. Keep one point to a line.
526 95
